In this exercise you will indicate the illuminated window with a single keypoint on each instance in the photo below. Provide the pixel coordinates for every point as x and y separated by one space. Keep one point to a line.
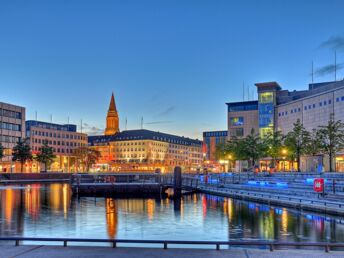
266 97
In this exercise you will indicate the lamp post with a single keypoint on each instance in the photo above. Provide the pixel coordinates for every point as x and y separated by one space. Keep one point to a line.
284 153
230 157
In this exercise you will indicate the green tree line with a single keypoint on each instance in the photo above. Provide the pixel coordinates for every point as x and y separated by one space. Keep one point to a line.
22 153
327 139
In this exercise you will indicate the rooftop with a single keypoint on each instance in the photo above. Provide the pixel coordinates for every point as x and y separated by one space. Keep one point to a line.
142 134
50 126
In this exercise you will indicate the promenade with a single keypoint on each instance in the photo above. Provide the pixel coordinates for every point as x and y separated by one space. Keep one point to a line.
104 252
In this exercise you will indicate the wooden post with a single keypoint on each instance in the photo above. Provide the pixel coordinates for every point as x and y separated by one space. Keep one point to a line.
177 188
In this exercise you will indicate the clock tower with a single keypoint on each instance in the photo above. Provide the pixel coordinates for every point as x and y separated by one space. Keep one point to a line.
112 121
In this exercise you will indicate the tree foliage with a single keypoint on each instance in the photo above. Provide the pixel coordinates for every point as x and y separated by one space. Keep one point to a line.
45 155
274 144
22 152
250 148
86 156
297 142
328 139
331 138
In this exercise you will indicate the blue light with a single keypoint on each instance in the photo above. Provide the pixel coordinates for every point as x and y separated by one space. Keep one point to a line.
278 211
281 184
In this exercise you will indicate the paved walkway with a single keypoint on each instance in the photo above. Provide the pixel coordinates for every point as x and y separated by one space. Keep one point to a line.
104 252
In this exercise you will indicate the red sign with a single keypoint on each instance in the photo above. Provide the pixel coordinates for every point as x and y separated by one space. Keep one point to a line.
318 185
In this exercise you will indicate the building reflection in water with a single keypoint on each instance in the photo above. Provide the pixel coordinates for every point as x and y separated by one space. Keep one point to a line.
32 200
111 217
50 210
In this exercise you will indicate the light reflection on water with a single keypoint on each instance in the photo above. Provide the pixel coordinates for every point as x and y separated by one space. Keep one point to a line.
50 211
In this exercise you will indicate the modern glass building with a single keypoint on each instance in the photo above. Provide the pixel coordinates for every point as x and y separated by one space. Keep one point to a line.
278 109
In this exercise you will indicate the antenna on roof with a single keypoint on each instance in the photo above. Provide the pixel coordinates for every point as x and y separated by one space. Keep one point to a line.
243 90
36 115
126 124
81 125
248 92
312 74
335 65
68 120
141 122
51 118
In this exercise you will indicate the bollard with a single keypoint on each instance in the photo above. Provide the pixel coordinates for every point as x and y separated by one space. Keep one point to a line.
65 243
114 244
165 245
177 188
271 247
327 248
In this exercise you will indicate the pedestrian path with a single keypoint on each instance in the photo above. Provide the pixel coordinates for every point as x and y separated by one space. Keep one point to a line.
104 252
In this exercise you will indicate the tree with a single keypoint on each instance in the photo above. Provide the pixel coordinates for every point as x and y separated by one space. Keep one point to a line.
297 141
331 139
86 156
1 151
274 144
314 144
252 147
22 152
46 155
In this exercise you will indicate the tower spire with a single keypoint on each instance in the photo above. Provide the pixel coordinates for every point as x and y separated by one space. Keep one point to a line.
112 106
112 121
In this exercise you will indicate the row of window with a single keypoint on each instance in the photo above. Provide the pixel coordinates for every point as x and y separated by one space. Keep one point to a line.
9 139
10 114
55 150
9 126
57 135
310 106
71 144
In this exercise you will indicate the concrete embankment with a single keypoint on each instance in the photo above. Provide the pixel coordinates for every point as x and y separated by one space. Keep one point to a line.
8 178
297 202
104 252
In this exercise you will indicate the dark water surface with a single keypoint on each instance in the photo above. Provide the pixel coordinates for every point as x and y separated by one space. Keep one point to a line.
50 211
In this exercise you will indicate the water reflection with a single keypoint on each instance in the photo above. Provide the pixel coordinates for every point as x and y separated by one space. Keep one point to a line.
50 211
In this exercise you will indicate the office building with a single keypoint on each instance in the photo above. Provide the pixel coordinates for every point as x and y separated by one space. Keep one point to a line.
12 129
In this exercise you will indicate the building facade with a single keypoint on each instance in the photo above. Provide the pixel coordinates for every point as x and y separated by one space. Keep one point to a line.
278 109
211 140
64 139
143 150
12 130
242 118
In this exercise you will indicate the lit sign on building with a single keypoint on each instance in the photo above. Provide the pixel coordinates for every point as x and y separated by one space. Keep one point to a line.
237 121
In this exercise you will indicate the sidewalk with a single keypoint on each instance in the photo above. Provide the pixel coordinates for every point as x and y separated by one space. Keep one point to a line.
104 252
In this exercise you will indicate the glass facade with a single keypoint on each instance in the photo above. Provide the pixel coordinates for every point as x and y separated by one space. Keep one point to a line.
266 112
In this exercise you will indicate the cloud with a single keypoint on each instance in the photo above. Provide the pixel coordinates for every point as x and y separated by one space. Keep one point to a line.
158 122
91 130
328 69
167 111
334 43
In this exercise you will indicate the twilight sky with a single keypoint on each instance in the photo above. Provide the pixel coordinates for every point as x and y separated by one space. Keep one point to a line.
175 63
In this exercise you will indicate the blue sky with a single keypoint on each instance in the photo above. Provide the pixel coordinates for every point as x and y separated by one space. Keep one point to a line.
176 63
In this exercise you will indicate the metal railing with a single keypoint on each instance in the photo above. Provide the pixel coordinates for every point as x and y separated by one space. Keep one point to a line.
217 244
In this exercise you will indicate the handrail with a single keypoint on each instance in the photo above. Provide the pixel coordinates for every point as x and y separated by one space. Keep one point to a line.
271 244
